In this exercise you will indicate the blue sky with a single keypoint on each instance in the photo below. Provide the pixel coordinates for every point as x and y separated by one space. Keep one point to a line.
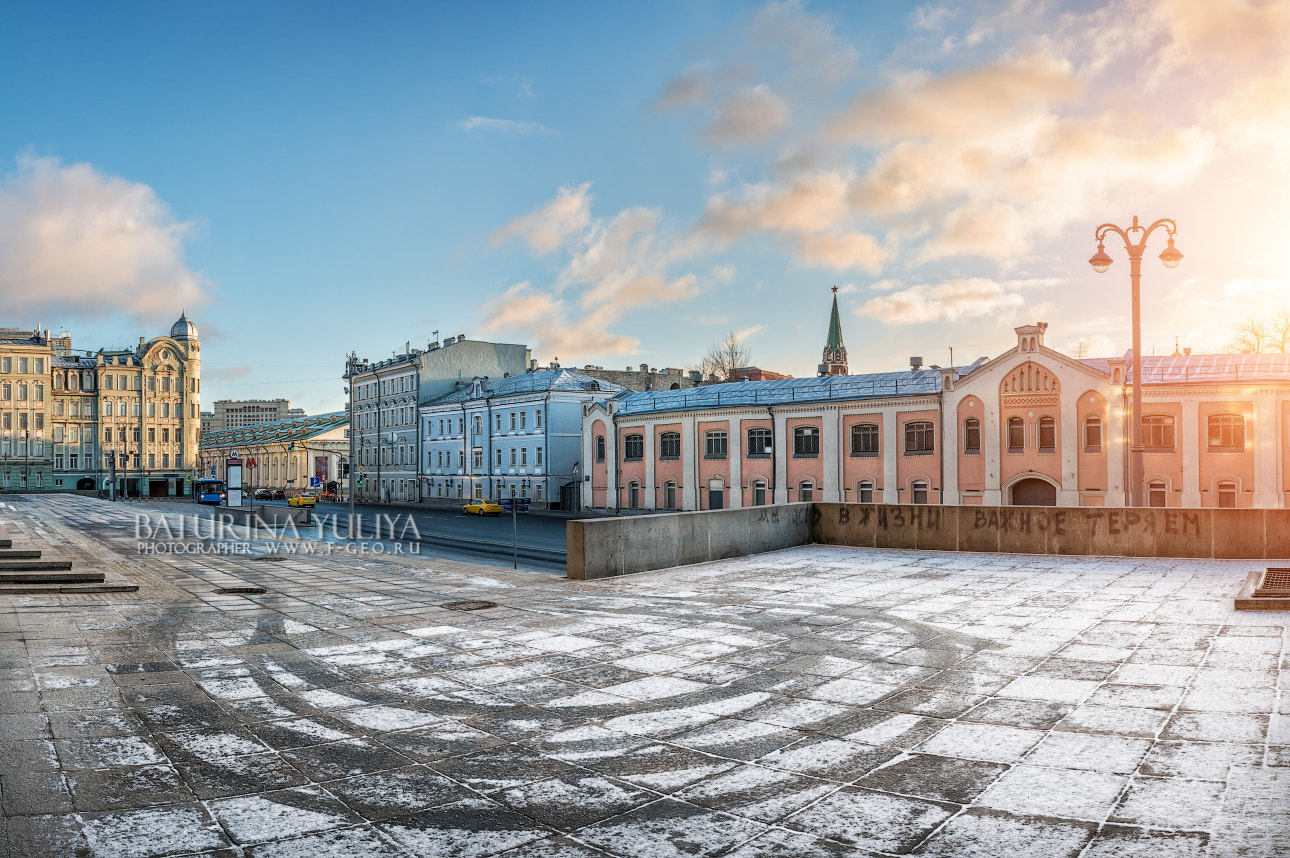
621 184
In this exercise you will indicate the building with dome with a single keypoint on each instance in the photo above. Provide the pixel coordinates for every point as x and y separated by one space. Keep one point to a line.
123 419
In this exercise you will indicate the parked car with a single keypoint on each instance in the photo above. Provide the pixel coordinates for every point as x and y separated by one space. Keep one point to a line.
304 499
279 494
482 506
264 494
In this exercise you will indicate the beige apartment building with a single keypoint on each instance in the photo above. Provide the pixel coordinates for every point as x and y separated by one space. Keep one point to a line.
127 418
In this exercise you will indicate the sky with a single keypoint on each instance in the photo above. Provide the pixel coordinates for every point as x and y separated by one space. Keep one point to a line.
617 184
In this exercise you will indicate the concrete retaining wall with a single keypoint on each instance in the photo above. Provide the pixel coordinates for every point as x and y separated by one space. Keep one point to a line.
1206 533
603 548
606 547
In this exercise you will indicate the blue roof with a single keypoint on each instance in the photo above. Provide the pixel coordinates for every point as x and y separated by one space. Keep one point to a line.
531 382
1202 369
827 388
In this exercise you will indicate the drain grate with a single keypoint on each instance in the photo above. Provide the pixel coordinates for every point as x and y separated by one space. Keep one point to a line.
1276 582
241 591
469 606
269 558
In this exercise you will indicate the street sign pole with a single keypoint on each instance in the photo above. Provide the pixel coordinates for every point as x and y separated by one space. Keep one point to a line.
515 540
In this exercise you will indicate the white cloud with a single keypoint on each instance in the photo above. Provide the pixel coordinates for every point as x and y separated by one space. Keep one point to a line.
547 227
76 243
748 115
950 301
504 126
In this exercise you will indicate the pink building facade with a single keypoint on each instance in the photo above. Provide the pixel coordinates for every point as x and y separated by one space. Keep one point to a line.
1029 427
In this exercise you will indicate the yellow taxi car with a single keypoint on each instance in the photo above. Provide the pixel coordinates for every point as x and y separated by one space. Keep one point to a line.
482 506
303 499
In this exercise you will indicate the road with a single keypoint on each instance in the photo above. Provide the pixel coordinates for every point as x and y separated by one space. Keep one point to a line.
442 532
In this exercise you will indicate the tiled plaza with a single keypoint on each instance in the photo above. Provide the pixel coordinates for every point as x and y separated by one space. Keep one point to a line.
811 702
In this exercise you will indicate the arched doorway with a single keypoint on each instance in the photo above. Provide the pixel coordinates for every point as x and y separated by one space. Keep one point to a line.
1034 492
85 484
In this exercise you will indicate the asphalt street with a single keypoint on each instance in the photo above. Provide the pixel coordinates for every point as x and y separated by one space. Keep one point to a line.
539 540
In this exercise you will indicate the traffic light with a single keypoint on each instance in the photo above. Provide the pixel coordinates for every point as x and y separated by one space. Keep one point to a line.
292 447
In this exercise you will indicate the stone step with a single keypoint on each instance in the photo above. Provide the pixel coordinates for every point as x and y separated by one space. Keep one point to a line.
19 554
6 543
34 566
51 577
106 587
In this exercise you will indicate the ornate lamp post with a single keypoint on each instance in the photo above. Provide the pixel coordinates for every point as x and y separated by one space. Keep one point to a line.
1100 261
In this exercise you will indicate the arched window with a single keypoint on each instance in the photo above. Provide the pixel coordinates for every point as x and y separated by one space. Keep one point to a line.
865 493
58 381
634 494
669 495
1227 495
1227 433
759 443
1157 494
1158 432
669 446
919 491
972 436
1016 435
1047 434
806 491
864 440
634 448
806 442
1092 434
600 448
920 438
759 492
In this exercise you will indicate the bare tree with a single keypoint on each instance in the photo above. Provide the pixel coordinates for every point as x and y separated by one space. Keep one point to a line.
724 357
1262 334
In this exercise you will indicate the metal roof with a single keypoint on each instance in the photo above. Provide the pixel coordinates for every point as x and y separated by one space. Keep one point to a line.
531 382
297 429
1203 369
830 388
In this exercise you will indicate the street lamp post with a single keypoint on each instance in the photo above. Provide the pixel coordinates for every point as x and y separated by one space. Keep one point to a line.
1100 261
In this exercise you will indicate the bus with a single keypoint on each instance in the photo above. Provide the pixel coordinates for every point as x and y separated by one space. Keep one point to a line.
208 491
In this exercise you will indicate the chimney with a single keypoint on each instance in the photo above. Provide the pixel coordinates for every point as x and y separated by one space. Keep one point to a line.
644 367
696 376
915 363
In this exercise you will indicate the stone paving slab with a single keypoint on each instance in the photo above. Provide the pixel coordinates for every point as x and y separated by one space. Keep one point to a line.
812 702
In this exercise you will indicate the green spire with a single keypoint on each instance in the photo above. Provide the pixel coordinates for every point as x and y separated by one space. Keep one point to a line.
835 326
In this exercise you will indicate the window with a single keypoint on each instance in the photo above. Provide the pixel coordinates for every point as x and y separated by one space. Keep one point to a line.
1227 432
40 366
75 459
512 421
22 364
479 425
972 436
58 381
58 461
806 442
1092 434
107 434
600 448
152 435
499 457
714 445
759 443
165 460
866 491
165 435
537 424
512 457
864 440
479 457
1158 432
920 491
6 365
634 491
1016 435
634 448
524 455
669 495
920 438
1227 495
669 445
1156 494
524 415
759 493
806 491
1047 434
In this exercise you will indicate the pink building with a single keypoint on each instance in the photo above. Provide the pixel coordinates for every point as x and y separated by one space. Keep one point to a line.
1029 427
